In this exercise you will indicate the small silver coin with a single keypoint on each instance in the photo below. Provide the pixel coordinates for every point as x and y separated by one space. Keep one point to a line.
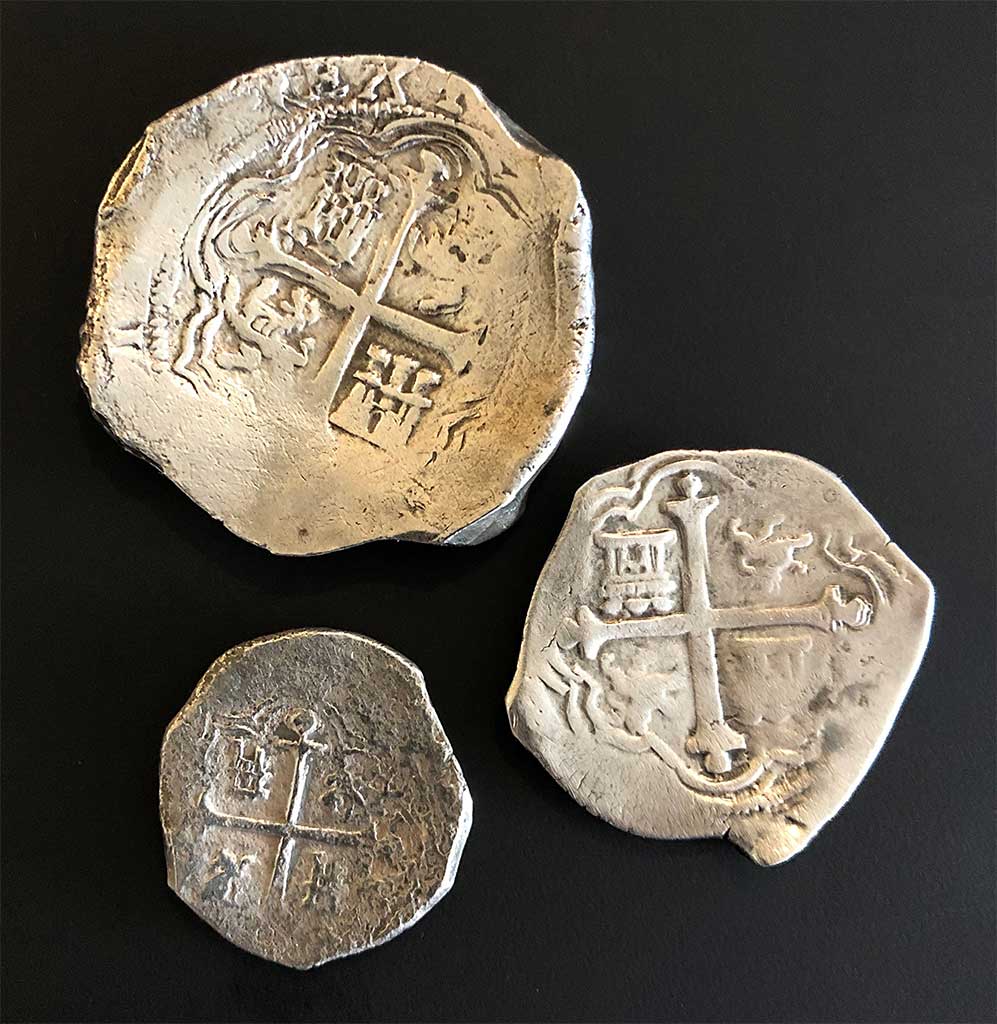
718 646
342 299
311 804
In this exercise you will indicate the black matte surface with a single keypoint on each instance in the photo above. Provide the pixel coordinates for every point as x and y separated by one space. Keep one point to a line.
794 228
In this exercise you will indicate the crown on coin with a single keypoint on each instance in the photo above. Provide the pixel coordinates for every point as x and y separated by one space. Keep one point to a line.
380 97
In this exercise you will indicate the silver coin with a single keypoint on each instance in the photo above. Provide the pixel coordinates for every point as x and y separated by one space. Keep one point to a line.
342 299
311 804
718 646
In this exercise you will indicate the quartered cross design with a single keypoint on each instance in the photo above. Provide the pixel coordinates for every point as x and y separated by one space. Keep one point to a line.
300 725
365 305
698 622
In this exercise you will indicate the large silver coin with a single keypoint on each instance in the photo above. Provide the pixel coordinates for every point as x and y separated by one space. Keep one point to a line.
311 804
342 299
718 646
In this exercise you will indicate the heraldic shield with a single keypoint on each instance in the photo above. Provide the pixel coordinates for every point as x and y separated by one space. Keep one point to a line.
718 646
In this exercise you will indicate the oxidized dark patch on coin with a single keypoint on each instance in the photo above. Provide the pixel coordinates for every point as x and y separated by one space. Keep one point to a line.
718 646
311 804
342 299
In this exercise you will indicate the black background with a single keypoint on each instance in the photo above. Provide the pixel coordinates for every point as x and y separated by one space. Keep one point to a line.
793 211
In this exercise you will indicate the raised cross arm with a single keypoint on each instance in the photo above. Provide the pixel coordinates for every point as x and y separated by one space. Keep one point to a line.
829 613
456 347
283 829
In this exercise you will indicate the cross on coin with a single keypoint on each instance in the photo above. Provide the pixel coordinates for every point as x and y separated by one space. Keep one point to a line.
301 725
456 347
698 622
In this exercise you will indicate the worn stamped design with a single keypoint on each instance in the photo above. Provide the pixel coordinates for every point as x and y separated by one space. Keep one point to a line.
311 804
342 299
718 646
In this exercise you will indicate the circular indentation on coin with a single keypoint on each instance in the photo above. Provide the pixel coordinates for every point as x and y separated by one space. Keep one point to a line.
311 804
715 650
342 299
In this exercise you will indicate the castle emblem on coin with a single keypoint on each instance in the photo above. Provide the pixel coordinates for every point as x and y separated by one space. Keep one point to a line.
342 299
718 645
311 804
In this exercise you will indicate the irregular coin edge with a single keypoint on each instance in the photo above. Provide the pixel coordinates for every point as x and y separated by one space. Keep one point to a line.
916 656
464 819
575 253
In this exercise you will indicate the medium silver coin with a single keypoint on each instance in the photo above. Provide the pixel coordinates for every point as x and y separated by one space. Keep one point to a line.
311 804
342 299
718 646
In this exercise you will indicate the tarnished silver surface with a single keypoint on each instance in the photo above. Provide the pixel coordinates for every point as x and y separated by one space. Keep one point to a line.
718 646
311 804
342 299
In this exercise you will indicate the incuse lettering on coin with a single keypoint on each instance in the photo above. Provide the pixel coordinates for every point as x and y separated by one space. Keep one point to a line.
718 645
311 804
342 299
